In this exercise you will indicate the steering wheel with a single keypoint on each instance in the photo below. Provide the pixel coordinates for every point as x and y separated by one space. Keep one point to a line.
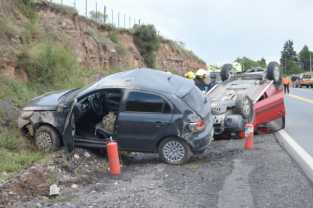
96 104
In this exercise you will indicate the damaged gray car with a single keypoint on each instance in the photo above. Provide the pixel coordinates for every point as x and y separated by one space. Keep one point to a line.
144 110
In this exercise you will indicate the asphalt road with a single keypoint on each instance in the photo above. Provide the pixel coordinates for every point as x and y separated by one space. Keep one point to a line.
299 119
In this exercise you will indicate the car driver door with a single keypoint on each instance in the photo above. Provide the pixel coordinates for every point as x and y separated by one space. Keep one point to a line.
270 109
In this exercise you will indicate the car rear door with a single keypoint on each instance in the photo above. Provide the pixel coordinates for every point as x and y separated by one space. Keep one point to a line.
270 107
144 119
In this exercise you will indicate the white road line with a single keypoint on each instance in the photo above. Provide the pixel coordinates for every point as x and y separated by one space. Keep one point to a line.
307 100
297 153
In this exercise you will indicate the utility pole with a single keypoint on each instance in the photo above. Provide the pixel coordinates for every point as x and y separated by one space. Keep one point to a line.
86 9
124 20
118 19
96 11
104 14
112 17
310 62
285 65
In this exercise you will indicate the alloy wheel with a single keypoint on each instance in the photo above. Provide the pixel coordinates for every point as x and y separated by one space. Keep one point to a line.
174 151
44 141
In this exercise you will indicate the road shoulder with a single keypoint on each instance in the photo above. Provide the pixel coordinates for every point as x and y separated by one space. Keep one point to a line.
304 160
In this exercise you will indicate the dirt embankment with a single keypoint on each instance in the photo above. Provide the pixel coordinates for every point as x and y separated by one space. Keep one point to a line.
96 46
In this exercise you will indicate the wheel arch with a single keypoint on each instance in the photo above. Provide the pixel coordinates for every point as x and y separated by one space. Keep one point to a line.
38 125
171 136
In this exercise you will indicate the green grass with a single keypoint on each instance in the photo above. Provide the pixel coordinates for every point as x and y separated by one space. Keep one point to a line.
100 39
16 152
113 37
11 162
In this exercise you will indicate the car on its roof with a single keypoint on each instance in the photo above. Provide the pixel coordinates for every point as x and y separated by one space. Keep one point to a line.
150 111
255 96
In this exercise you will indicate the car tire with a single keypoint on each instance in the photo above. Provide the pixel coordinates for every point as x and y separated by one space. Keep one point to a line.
226 72
180 150
47 139
244 107
273 73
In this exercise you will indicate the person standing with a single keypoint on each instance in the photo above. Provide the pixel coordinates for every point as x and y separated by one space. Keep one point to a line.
201 80
286 84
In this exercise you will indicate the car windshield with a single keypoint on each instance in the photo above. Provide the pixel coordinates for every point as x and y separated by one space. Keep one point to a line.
70 95
197 102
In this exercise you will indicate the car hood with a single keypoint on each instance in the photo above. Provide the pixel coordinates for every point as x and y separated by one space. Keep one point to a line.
47 101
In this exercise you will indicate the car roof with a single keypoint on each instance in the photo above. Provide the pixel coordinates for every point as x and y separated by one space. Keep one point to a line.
145 79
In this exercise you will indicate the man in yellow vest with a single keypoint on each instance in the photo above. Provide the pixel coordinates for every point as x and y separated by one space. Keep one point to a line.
286 84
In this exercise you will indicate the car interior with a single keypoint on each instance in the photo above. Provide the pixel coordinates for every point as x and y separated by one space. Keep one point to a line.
96 113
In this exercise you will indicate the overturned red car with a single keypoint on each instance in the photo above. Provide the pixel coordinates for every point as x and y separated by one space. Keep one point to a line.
255 96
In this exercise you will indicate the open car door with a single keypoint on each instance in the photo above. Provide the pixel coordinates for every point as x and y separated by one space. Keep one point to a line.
69 129
269 108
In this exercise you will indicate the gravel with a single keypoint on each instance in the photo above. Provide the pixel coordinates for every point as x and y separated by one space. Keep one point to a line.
224 176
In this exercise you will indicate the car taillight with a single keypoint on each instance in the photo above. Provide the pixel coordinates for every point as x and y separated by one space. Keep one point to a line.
197 126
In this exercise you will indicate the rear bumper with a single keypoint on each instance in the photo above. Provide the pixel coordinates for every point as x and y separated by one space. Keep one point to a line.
201 142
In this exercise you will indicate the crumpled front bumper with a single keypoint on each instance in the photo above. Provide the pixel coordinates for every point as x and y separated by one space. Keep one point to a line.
25 126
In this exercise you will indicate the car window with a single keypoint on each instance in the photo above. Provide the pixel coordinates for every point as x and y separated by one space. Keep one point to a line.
144 102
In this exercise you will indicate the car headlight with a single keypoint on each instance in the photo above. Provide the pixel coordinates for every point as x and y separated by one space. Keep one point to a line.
26 114
218 108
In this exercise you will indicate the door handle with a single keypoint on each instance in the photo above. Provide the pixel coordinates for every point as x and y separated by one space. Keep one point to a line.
158 124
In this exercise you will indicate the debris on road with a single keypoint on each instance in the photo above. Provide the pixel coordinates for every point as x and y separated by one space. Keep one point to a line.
54 190
53 177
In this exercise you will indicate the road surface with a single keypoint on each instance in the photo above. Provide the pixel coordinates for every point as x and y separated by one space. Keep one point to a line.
226 176
299 119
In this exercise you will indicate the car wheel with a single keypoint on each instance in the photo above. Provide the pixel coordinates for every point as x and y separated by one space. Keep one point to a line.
273 73
244 107
226 72
47 139
174 151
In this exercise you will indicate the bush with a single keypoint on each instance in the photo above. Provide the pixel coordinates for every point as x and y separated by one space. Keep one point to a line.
51 65
16 91
27 7
113 37
147 41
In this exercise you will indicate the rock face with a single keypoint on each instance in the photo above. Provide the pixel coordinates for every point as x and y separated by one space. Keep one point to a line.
171 56
90 42
96 47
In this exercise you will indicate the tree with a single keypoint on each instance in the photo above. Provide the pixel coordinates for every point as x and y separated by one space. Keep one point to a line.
248 63
147 42
288 52
98 17
304 57
289 59
262 63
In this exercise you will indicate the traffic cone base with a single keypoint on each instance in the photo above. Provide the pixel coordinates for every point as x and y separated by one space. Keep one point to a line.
249 133
249 144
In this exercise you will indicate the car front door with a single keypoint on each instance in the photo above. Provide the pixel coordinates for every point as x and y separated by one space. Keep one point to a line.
271 107
144 119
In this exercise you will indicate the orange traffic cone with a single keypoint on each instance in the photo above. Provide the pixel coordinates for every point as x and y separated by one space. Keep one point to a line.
249 134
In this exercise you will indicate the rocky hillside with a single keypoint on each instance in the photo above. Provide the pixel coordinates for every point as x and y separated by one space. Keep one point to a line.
45 47
96 47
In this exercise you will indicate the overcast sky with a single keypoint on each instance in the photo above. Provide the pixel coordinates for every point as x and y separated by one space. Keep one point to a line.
219 31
